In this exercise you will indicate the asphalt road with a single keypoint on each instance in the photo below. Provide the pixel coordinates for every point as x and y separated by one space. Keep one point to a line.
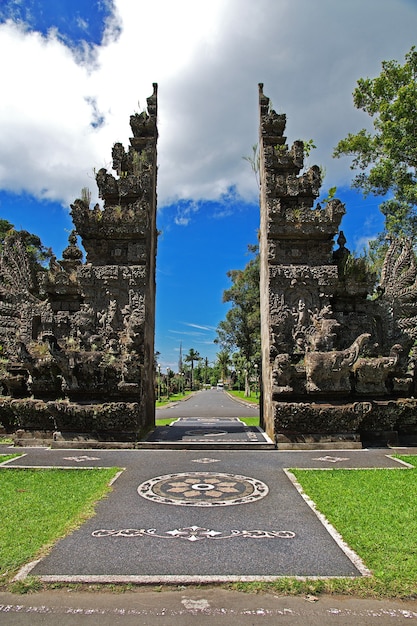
208 403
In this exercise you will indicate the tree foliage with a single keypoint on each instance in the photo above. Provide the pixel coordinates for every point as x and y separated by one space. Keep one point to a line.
192 357
224 360
32 242
387 157
241 329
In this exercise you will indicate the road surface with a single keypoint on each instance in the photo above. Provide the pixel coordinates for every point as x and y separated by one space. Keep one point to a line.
208 403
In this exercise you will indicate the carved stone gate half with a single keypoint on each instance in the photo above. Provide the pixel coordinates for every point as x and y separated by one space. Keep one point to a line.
338 362
78 339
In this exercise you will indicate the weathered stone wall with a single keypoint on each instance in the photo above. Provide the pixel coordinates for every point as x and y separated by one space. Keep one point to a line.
334 361
296 241
79 338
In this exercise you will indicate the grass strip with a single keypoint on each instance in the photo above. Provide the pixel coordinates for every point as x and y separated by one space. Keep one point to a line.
175 397
38 506
252 399
6 441
7 457
375 512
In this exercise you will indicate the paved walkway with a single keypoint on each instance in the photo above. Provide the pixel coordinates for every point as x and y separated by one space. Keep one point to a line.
208 433
188 516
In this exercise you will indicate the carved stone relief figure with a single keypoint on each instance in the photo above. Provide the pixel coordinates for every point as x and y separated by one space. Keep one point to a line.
330 371
398 288
323 333
282 374
371 374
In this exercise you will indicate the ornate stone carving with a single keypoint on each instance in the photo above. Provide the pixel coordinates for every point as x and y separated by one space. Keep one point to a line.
323 333
330 371
371 374
85 331
398 288
316 315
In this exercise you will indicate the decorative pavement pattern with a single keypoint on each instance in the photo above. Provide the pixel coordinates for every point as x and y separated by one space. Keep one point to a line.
208 429
82 458
331 459
195 533
201 537
206 489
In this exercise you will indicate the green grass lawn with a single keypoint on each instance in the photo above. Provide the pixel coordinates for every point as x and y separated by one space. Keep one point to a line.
175 397
253 398
6 441
375 511
39 506
7 457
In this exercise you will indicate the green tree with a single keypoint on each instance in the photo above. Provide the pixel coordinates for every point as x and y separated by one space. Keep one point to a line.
387 157
32 242
192 357
224 360
241 329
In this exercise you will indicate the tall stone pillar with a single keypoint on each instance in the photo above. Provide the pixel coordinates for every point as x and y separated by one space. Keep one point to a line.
298 275
80 364
118 280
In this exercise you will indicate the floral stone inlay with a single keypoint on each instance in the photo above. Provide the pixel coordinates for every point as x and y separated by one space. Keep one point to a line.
203 489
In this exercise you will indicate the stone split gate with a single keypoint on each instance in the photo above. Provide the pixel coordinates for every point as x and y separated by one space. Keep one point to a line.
338 360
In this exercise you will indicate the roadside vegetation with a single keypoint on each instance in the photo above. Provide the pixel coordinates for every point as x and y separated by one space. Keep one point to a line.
253 398
175 397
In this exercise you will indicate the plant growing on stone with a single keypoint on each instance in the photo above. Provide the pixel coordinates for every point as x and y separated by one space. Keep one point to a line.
357 269
308 145
39 349
118 212
297 214
73 344
254 162
330 195
140 162
86 195
108 358
280 147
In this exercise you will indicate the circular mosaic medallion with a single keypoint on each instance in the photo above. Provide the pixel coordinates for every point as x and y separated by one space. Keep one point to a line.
203 489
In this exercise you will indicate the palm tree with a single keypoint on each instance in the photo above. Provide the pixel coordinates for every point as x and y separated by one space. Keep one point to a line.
223 359
191 357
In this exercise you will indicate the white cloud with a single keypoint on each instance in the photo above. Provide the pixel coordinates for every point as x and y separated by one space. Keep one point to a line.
207 328
47 143
207 57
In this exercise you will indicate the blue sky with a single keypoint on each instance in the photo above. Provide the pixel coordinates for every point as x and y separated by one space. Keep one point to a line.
76 70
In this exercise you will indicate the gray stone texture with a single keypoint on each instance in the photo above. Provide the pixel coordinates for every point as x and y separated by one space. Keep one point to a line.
338 358
78 339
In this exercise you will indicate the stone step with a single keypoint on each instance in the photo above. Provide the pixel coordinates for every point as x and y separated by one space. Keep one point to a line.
204 445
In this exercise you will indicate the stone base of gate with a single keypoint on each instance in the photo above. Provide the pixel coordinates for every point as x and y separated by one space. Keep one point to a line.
65 424
68 441
319 441
371 422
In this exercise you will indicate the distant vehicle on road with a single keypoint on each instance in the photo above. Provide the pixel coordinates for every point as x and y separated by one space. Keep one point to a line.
220 387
